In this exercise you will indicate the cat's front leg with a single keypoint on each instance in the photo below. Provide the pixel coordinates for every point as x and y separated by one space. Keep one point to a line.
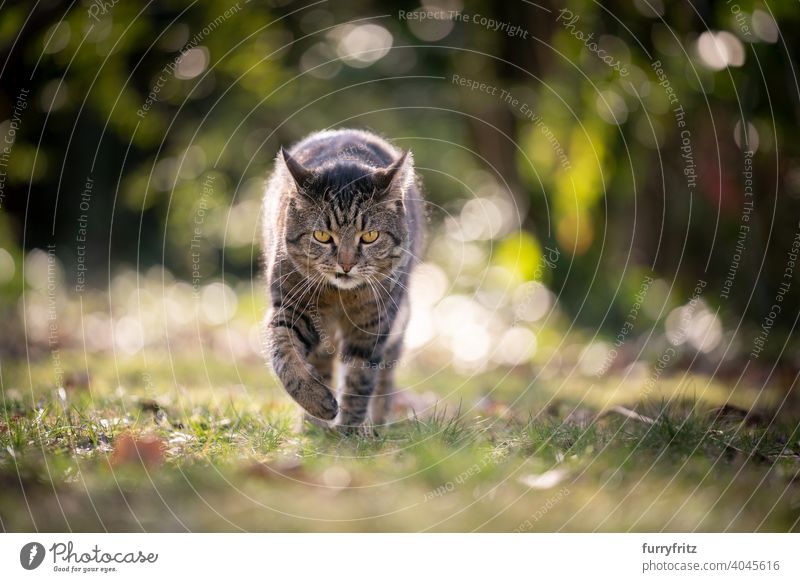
361 374
381 402
322 359
292 337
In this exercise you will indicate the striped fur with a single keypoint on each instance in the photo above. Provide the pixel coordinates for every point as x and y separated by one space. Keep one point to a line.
345 300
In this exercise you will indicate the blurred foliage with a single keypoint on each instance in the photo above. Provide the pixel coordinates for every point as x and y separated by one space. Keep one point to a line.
237 80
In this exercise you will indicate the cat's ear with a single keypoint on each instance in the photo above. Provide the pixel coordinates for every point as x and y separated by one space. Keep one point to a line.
302 176
397 177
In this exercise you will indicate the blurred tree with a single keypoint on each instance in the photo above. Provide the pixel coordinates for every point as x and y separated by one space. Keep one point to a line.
173 113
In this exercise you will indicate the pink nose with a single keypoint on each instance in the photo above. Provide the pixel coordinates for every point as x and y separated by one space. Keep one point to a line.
346 267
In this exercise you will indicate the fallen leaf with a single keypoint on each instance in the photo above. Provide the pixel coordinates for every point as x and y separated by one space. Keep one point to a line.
546 480
291 469
144 450
628 413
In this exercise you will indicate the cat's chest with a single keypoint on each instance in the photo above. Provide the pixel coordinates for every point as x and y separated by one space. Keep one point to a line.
338 307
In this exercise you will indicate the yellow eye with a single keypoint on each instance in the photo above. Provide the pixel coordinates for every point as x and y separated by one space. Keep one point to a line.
322 236
370 236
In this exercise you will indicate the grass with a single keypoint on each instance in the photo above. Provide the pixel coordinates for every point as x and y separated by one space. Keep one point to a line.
133 450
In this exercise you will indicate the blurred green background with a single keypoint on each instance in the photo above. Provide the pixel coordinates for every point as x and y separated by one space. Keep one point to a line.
562 204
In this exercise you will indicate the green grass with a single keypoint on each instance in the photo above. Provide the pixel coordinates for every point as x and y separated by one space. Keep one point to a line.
225 455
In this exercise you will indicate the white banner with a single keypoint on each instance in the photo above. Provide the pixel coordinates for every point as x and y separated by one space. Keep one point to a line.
398 557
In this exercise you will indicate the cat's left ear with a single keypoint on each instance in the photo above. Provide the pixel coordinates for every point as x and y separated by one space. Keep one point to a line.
396 178
302 176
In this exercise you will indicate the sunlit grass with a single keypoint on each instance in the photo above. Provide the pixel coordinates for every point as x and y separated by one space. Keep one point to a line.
155 456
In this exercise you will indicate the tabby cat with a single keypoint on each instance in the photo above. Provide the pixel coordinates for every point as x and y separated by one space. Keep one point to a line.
343 226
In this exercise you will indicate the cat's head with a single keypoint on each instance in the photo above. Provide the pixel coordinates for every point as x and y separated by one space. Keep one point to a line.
346 221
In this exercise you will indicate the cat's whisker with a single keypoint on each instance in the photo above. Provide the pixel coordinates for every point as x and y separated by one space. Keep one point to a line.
388 294
294 292
397 282
381 304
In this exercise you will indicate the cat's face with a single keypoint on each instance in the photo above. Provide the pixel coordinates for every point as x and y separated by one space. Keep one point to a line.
346 223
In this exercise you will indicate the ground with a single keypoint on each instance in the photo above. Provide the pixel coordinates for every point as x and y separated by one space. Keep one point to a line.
173 445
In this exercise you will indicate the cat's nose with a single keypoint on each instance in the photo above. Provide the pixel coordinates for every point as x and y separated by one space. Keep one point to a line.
346 267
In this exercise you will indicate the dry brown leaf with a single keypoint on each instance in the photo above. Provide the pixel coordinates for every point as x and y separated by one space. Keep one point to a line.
142 450
291 469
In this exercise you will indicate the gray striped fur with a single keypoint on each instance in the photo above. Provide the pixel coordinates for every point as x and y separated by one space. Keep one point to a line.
346 183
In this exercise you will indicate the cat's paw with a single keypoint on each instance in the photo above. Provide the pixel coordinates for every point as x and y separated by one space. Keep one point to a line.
362 430
317 400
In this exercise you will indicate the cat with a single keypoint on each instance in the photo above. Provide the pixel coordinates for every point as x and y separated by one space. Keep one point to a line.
342 231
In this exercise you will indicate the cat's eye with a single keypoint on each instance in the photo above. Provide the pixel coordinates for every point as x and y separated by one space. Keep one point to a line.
322 236
369 237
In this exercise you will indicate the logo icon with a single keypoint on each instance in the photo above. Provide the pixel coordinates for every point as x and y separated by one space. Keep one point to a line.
31 555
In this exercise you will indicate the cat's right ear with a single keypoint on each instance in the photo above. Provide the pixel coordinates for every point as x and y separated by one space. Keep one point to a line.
302 176
397 177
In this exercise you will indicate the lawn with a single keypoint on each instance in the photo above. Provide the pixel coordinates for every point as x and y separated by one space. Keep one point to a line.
176 444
